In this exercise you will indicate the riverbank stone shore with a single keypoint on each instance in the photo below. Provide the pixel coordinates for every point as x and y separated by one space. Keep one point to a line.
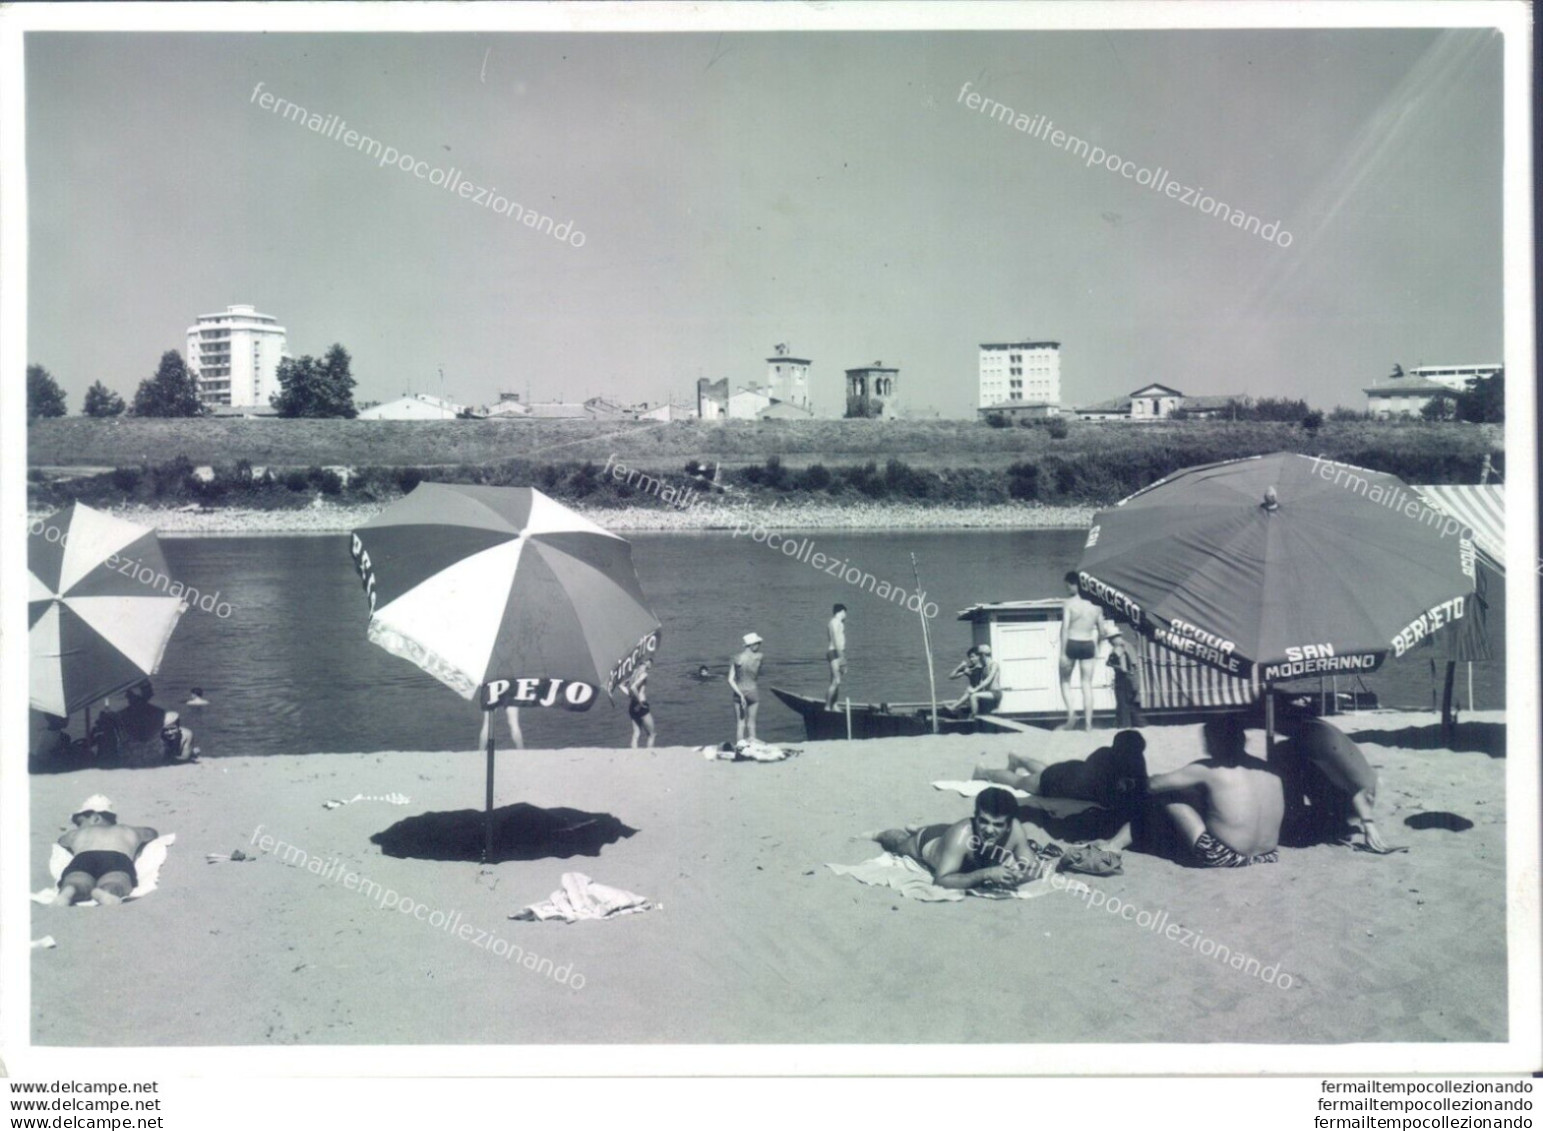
331 519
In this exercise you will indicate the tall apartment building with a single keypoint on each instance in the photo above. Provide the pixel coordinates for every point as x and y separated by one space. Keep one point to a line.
1020 374
235 356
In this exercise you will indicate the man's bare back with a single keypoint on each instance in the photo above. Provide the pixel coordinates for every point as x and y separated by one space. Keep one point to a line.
126 839
1082 618
1245 805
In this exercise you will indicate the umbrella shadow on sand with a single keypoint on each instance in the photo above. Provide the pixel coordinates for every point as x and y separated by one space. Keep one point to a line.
1471 738
520 832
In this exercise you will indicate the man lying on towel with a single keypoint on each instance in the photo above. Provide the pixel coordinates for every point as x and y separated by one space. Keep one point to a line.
1114 776
988 850
1226 808
103 851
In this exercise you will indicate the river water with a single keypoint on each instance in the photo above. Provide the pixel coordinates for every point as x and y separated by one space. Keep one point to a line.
289 670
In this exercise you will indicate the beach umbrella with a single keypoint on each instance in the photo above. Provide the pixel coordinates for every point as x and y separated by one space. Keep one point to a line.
101 607
1281 566
506 596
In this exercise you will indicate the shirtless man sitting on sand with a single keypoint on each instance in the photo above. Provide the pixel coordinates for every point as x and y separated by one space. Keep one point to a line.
989 850
1227 808
102 866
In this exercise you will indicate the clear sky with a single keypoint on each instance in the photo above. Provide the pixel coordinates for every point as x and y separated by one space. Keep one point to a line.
830 191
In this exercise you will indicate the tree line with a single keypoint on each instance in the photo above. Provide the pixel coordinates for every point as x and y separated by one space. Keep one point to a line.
308 387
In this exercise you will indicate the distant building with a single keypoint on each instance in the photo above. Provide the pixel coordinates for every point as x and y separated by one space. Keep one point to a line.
414 406
235 356
1158 402
873 391
559 410
509 407
1154 402
662 412
747 404
1458 378
603 408
784 410
1026 372
712 399
787 377
1409 394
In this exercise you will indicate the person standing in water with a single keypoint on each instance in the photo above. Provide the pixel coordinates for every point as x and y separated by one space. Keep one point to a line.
743 671
638 709
1079 649
836 653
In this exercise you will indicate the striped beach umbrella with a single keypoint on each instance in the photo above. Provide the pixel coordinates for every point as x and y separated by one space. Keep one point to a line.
505 596
100 606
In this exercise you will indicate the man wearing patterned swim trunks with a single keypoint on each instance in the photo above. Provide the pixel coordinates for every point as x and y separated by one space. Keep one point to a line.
1228 807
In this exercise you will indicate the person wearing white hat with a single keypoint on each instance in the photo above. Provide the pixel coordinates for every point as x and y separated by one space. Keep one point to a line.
102 855
743 670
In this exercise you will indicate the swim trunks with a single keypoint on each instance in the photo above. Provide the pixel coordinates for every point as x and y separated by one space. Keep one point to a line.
97 863
637 710
1081 649
1212 853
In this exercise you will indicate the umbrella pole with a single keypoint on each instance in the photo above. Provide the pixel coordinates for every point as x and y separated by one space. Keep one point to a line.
487 809
1269 722
932 682
1448 730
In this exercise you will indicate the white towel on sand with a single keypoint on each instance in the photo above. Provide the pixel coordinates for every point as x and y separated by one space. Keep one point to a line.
747 750
147 867
581 898
1055 806
914 881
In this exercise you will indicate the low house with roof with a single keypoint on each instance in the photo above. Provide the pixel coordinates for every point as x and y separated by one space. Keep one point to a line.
414 406
1158 402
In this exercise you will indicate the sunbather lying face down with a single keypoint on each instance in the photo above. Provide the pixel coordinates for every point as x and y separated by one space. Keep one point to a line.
103 855
989 849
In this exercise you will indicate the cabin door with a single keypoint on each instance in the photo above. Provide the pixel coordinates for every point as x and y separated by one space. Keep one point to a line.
1027 654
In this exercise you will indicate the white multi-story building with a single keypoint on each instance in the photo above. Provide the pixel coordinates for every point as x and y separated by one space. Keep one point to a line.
1020 373
1458 378
235 356
1407 395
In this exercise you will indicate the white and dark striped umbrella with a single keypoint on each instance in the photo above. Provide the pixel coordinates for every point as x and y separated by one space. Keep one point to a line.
100 607
506 591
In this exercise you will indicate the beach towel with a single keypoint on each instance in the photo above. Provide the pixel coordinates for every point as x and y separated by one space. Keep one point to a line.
914 881
1055 806
147 866
747 750
582 898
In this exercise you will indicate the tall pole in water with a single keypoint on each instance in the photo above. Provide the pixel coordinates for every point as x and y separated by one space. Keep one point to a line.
927 642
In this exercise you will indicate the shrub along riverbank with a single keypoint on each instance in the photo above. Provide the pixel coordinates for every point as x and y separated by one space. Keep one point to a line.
1061 473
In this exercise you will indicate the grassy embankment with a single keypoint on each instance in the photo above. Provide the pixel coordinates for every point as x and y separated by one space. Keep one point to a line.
932 463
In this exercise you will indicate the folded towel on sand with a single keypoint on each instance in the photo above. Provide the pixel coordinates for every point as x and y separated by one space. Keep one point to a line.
914 881
1055 806
748 750
581 898
147 866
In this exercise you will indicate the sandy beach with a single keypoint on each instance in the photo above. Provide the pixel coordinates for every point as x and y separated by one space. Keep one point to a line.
328 518
756 941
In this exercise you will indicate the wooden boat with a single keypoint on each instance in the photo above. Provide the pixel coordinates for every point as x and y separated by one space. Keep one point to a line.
1025 639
